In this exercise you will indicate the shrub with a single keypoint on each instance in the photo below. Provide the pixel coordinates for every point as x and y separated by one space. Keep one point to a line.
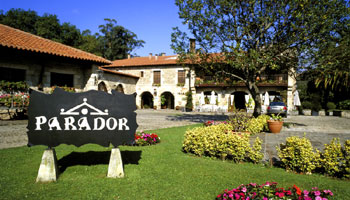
255 155
239 121
346 159
330 159
257 125
335 160
344 105
189 104
297 155
306 105
144 139
271 191
219 141
331 106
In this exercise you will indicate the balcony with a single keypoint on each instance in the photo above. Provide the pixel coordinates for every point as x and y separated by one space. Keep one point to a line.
264 80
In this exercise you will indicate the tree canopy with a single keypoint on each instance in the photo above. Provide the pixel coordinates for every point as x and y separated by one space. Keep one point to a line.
116 41
113 41
244 39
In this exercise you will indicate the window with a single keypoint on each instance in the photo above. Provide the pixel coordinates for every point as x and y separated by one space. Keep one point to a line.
181 75
11 74
58 79
141 74
156 77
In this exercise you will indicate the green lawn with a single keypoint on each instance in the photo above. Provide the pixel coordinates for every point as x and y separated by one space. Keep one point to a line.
162 171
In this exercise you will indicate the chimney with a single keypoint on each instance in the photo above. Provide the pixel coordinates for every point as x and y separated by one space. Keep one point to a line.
129 56
156 57
162 54
150 56
192 45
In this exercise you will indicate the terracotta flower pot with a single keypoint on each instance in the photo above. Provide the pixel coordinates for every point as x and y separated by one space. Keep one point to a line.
275 126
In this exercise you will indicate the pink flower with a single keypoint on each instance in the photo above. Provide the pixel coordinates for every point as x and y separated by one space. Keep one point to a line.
265 198
244 189
237 196
306 192
318 198
317 193
279 194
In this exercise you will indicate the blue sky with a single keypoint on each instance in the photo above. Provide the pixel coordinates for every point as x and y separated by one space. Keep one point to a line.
151 20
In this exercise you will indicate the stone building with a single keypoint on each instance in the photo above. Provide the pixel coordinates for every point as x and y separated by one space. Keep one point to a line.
163 83
43 63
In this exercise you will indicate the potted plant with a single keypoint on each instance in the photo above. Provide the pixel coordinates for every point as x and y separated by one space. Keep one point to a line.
315 104
275 123
315 108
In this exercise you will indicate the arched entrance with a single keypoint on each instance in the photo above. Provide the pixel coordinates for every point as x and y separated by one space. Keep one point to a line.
120 88
102 87
239 98
275 96
167 100
146 100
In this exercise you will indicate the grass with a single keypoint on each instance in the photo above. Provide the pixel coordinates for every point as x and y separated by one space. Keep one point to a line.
162 171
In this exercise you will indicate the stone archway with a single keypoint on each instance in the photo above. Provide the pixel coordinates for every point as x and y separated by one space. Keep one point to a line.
102 87
239 99
120 88
167 100
146 100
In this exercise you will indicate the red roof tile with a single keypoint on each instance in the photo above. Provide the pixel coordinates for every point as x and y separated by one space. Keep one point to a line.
116 72
145 61
17 39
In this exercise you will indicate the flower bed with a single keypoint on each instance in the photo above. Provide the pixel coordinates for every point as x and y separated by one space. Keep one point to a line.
144 139
269 191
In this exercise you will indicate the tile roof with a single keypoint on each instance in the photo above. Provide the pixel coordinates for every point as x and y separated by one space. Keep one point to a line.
17 39
160 60
116 72
145 61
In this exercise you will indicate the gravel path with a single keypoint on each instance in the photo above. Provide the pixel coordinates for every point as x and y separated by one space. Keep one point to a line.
319 130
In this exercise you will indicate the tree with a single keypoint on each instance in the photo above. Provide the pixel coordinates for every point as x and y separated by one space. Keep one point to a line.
48 26
90 43
243 39
116 41
20 19
332 58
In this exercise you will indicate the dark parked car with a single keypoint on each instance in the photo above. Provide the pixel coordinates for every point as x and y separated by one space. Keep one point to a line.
277 107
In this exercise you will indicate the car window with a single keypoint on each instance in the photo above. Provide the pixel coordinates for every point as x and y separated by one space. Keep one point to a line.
277 104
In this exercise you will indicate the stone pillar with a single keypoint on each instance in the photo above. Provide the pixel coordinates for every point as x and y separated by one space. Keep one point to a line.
48 171
115 167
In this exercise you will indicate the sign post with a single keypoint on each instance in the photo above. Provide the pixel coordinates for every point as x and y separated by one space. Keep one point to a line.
81 118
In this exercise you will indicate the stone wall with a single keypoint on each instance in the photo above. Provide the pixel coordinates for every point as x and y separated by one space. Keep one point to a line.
81 72
169 83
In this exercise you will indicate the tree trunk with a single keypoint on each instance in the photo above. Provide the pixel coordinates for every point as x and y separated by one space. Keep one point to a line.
254 91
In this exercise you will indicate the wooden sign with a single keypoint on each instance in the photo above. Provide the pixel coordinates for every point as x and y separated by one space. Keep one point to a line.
81 118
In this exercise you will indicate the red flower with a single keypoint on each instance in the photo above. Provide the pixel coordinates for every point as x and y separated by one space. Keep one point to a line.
297 189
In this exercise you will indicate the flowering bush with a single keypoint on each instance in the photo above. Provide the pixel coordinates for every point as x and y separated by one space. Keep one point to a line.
14 100
269 191
144 139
